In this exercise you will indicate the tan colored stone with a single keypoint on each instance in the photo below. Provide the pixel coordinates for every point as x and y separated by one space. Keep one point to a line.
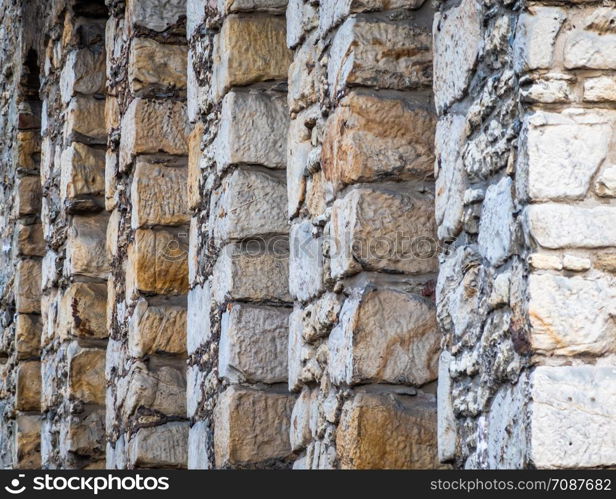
250 49
86 119
83 172
28 149
28 329
380 431
370 138
194 165
83 73
83 435
156 66
86 376
157 15
111 184
28 442
251 427
162 446
156 329
82 312
28 196
112 113
28 287
85 248
30 240
158 195
158 261
28 393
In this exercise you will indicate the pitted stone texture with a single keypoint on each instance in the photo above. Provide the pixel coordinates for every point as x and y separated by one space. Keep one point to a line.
253 130
28 328
157 15
569 405
304 419
384 336
306 261
379 54
194 165
83 172
86 376
248 203
28 287
592 45
253 344
303 71
600 89
252 427
158 195
382 230
85 120
28 196
157 67
82 310
164 446
249 49
29 240
85 248
408 443
370 139
27 442
83 73
497 225
28 386
198 320
157 329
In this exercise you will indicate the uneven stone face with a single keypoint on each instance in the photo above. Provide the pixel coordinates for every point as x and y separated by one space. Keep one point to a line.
157 329
384 336
154 65
409 442
82 312
157 15
198 320
86 374
28 335
591 45
83 73
496 224
371 138
28 286
194 165
83 172
28 196
162 446
28 442
305 261
28 393
85 248
251 427
600 89
86 120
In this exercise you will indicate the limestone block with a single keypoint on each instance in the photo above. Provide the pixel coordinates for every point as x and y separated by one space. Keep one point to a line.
28 145
28 328
605 185
112 113
384 336
85 120
227 6
86 374
303 419
298 151
83 73
592 44
305 261
85 247
302 17
157 262
28 287
195 15
156 66
249 49
248 203
27 442
304 71
243 272
253 344
154 329
571 315
83 172
29 240
162 446
600 89
496 225
82 435
158 194
380 54
253 130
157 15
564 150
535 37
380 431
251 427
457 40
28 389
82 310
371 138
111 171
573 417
198 320
446 423
194 165
554 225
29 195
198 439
382 230
150 126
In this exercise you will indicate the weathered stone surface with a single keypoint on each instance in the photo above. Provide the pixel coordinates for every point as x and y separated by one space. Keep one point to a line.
446 422
28 442
248 203
560 226
28 389
82 311
305 261
384 336
194 165
388 432
28 198
380 54
198 320
83 73
298 151
155 329
382 230
28 145
28 335
251 427
86 120
253 130
571 315
162 446
569 405
304 419
303 71
157 15
86 374
457 39
250 49
253 344
82 435
605 185
156 66
28 287
150 126
370 138
496 225
85 248
158 194
600 89
157 262
198 439
593 47
83 172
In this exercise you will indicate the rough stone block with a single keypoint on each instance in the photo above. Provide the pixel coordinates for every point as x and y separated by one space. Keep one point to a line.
29 240
83 172
156 15
305 261
83 73
592 45
28 200
496 225
600 89
253 130
383 230
198 439
86 374
28 145
28 328
253 344
384 336
251 427
158 195
304 71
304 419
369 138
228 6
156 66
85 120
157 328
380 54
381 431
446 423
194 165
28 287
27 442
82 311
198 321
83 434
162 446
298 152
28 389
85 247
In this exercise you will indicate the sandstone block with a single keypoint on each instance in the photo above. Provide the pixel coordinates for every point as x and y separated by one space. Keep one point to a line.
251 427
82 311
27 442
29 240
83 73
85 120
28 328
298 151
253 344
28 144
28 287
379 431
227 6
28 389
304 419
384 336
29 195
382 230
304 71
83 434
158 194
153 329
86 374
156 66
85 247
162 446
83 172
157 15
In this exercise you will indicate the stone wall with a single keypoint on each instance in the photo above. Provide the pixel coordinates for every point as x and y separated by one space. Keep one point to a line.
525 97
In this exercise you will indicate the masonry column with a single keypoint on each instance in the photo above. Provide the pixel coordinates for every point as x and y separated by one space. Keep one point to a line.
363 345
526 154
239 301
147 239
